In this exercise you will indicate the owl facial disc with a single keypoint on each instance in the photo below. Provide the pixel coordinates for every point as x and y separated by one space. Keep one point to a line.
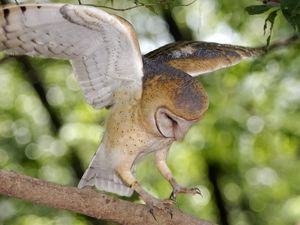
170 125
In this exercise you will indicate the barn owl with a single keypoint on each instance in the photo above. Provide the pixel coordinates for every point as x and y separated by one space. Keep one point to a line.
154 99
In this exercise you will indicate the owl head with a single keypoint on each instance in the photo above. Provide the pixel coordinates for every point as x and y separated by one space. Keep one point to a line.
172 100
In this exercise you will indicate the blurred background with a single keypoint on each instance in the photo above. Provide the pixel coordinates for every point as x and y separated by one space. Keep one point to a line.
244 155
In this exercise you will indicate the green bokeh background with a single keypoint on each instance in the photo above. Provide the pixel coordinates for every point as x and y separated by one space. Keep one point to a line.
244 155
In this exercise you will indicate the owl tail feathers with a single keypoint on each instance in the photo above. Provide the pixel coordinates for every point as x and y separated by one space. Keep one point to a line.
101 175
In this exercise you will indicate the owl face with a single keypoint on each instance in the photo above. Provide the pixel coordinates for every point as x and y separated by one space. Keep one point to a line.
170 125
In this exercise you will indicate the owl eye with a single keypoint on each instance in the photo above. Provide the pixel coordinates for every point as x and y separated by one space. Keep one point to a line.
171 125
165 123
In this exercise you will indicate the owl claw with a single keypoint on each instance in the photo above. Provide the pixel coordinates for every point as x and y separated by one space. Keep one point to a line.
173 196
178 189
198 191
165 205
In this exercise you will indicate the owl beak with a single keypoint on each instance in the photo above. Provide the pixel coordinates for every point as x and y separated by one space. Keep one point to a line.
181 129
171 125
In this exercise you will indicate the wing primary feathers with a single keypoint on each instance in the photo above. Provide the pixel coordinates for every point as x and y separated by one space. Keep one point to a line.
196 57
101 47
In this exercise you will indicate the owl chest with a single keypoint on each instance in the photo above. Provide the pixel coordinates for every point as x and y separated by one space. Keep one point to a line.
127 132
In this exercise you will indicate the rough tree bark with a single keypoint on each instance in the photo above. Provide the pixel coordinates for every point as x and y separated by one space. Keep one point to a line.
87 202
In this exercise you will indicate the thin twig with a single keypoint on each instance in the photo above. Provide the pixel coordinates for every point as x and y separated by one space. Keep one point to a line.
283 43
119 9
278 44
138 4
187 4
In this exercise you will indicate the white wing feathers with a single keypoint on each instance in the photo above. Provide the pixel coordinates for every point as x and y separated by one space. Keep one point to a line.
101 47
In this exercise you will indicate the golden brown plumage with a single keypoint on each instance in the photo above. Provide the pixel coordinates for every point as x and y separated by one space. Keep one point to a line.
197 57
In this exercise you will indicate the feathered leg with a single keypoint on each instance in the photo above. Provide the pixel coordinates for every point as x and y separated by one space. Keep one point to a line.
126 175
161 163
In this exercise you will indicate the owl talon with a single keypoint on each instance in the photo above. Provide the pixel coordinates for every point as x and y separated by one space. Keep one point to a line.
198 191
173 196
165 205
152 213
178 189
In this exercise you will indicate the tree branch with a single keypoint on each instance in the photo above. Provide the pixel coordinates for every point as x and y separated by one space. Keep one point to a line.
283 43
137 4
87 201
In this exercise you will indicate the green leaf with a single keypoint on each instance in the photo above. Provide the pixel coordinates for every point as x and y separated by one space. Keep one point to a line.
292 5
271 19
257 9
291 11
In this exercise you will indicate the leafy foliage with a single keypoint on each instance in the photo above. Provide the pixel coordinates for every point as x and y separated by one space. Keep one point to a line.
258 9
289 8
271 18
291 11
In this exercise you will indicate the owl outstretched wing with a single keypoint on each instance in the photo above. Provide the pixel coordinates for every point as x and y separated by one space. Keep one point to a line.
102 48
196 57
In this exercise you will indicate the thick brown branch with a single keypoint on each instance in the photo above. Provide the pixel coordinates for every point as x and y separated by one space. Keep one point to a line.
87 202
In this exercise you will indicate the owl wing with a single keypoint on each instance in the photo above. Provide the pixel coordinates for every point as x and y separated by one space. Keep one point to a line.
102 48
196 57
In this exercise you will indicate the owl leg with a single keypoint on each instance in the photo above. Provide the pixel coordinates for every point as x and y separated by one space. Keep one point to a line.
126 175
161 163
